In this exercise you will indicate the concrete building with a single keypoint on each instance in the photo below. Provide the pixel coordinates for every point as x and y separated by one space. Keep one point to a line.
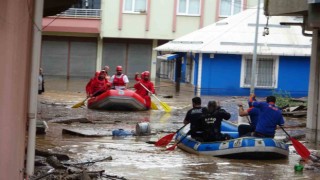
217 59
124 33
310 11
20 36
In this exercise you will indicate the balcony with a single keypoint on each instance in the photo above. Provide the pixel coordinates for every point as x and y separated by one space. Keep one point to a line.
81 13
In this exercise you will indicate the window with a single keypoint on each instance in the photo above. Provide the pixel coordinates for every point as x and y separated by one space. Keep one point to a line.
88 4
266 72
189 7
135 6
230 7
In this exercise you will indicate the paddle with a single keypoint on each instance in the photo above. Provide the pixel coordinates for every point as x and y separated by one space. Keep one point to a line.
82 102
165 140
173 147
300 148
154 106
165 106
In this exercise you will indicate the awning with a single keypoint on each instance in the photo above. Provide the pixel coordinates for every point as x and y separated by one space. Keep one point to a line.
168 56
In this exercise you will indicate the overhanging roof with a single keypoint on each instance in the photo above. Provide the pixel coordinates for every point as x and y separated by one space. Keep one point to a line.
235 35
74 25
286 7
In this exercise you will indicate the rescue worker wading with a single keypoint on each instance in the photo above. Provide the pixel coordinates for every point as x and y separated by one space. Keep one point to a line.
119 80
142 91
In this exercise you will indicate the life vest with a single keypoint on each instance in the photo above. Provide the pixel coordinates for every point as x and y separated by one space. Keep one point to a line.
98 85
118 81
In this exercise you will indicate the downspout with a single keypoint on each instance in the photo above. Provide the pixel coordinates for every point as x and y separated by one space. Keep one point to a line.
303 26
33 93
199 75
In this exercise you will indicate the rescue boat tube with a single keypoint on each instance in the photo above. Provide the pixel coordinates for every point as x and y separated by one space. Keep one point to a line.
238 148
118 100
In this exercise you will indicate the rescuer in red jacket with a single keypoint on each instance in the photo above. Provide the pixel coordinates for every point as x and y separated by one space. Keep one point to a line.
145 81
119 80
98 84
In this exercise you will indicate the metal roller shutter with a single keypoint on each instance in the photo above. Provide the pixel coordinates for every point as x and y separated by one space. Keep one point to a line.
54 57
139 58
114 54
83 56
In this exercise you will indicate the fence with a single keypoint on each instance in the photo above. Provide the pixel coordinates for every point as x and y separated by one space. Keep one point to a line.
81 13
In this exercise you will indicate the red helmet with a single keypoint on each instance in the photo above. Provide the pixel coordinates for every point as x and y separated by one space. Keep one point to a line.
146 73
119 68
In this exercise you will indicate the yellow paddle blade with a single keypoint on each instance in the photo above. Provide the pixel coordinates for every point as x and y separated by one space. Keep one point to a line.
154 106
165 106
79 104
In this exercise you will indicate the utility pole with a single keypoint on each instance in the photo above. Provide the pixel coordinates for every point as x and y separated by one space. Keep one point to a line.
254 59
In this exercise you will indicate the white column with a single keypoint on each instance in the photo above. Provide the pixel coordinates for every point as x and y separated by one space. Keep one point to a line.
33 94
199 75
192 71
99 54
153 60
313 95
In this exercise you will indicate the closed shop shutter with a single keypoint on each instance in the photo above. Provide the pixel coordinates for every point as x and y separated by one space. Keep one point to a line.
54 57
83 57
139 58
114 54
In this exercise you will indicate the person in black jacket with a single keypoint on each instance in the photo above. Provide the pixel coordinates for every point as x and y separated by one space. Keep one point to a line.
193 117
212 122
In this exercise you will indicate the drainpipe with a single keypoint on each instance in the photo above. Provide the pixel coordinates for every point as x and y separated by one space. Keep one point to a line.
199 75
33 93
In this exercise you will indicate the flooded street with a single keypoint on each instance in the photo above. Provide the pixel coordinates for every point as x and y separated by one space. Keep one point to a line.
132 157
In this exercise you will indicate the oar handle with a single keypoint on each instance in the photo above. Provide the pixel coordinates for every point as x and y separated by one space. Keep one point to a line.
149 91
182 138
176 144
285 132
181 127
145 87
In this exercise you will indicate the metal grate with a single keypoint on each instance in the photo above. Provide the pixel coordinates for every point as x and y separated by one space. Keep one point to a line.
83 13
264 72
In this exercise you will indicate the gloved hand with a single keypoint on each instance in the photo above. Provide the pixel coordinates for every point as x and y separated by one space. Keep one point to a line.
252 98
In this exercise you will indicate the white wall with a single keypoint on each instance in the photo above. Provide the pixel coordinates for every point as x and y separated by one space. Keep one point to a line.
161 20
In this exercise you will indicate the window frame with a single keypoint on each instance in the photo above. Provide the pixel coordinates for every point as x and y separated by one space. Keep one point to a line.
187 9
231 9
133 7
274 75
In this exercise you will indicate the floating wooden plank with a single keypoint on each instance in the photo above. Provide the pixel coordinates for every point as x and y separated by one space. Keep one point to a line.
295 113
296 108
86 132
69 120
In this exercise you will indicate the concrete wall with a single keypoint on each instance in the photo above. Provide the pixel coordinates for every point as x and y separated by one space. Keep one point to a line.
294 75
285 7
15 50
221 75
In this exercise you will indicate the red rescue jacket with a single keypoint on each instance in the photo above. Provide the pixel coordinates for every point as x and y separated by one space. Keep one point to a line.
95 85
118 81
141 90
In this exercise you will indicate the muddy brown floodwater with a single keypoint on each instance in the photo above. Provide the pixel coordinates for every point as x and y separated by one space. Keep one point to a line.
133 158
